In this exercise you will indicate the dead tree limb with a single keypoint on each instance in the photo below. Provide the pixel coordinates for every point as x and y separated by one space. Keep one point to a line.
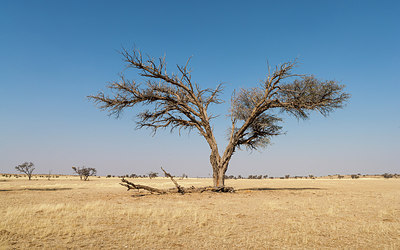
180 189
131 185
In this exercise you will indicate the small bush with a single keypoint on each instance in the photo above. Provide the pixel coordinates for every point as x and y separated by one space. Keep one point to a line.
387 176
153 175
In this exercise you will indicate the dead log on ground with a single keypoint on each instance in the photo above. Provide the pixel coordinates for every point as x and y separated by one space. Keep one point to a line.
179 188
131 185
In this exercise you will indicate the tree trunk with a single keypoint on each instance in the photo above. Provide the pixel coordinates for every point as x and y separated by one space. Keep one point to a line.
219 177
220 165
219 168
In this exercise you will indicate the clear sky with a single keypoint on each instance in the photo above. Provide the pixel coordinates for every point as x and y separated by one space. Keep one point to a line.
55 53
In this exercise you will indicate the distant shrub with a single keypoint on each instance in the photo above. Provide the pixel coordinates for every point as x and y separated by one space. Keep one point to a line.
153 175
387 176
355 176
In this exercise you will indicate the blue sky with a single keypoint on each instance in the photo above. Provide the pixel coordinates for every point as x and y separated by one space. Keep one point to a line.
55 53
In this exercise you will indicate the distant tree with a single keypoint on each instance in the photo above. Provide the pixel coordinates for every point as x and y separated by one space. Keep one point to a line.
26 168
177 102
153 175
84 172
387 176
287 176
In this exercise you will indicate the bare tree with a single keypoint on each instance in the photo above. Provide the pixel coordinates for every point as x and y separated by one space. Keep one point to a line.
84 172
26 168
179 103
153 175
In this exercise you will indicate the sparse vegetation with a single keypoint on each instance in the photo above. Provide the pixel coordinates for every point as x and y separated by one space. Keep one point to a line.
319 214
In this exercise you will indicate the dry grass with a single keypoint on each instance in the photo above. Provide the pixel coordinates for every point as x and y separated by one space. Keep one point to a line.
68 213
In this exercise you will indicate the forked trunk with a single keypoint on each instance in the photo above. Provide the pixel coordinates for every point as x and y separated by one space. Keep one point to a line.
220 164
219 177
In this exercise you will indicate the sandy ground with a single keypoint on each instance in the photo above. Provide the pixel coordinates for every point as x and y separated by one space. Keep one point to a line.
312 214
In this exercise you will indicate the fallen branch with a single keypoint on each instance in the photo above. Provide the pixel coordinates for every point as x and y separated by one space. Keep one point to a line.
179 188
131 185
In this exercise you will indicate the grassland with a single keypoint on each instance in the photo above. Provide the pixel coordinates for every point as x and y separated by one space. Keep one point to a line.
304 213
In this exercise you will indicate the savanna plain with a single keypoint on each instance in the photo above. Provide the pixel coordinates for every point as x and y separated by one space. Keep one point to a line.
65 212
